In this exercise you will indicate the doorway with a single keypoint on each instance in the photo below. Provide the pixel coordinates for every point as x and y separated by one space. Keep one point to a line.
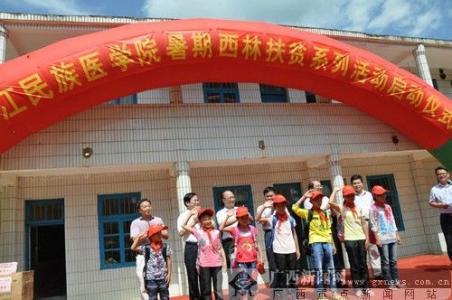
46 247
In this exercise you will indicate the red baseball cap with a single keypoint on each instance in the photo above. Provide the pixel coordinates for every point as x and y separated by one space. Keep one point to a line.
348 190
315 195
205 211
154 229
241 211
378 190
278 199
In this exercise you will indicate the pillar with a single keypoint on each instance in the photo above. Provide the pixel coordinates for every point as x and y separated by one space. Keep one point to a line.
423 69
3 39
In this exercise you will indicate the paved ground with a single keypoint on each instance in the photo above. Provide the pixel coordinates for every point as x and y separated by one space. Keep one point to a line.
425 277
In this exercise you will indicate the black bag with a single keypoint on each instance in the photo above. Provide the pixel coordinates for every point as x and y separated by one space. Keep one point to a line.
147 254
306 248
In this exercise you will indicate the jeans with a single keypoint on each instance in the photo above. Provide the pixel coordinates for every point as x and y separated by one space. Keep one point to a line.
446 227
388 256
285 270
321 259
207 277
357 254
244 281
157 288
139 272
190 257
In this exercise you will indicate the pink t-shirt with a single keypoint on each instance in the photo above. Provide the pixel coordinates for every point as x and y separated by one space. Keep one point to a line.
209 250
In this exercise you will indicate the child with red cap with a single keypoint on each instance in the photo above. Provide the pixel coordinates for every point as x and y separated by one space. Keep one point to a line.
356 238
285 244
158 264
383 224
320 238
246 253
211 256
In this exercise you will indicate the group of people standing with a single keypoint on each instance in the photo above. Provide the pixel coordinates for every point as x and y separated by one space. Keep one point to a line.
227 241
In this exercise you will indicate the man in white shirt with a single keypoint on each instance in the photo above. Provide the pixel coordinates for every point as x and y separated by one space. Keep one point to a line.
189 218
138 230
263 214
364 201
229 208
441 198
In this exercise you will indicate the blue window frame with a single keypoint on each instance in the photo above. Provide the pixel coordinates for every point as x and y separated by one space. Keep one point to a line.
392 198
242 193
220 92
130 99
273 94
116 212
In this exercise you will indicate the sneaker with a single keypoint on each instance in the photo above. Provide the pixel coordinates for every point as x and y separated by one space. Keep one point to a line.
359 293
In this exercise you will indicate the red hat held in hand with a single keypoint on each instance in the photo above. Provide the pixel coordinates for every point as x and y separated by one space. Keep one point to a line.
242 211
348 190
378 190
316 195
279 199
205 211
154 229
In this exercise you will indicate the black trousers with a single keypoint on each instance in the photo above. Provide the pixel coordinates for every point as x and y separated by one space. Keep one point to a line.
190 257
357 256
446 226
285 271
228 247
209 276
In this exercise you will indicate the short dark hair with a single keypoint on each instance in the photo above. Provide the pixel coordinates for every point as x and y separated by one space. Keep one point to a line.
356 177
310 185
269 189
441 168
143 200
188 197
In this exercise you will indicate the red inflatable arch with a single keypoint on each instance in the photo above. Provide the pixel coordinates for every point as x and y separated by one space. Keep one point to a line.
52 83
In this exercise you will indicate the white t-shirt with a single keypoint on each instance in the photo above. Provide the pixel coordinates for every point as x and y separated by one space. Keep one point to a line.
221 216
283 239
325 200
364 203
183 216
267 214
442 194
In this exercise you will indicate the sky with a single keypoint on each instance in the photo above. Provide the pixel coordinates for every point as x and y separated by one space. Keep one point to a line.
416 18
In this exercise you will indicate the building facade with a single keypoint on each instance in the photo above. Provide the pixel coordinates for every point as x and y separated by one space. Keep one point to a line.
68 193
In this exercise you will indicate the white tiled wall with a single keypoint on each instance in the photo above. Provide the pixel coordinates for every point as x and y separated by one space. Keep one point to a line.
84 278
157 96
142 134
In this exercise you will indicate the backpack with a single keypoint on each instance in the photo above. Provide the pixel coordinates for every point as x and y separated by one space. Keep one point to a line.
147 255
305 243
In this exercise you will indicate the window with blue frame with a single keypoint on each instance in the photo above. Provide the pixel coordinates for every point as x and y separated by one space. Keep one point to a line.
116 212
273 94
130 99
221 92
392 197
